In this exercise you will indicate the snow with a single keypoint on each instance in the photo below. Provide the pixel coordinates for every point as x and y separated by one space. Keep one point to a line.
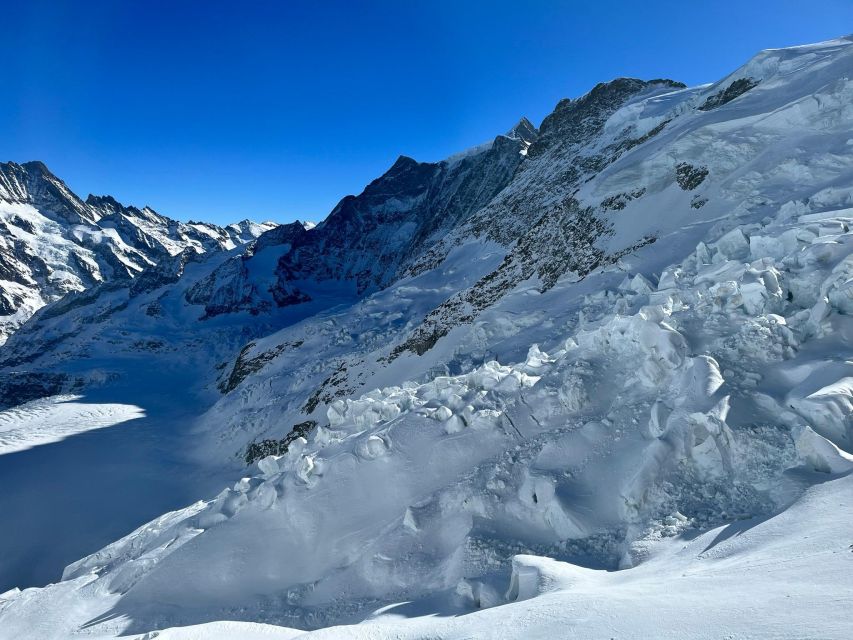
727 582
53 419
467 153
225 630
610 428
96 457
660 449
782 577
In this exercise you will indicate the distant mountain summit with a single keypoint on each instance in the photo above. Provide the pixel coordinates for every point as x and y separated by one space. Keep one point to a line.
53 242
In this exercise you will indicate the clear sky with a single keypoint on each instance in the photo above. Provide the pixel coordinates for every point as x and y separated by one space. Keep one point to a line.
276 109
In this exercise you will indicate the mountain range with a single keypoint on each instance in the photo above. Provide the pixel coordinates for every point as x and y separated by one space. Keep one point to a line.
52 242
578 373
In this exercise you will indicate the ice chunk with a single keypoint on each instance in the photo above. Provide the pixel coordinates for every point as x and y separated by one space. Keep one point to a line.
478 594
534 575
825 400
306 468
572 393
442 414
419 516
734 245
454 424
819 453
372 447
269 465
536 359
656 425
702 381
637 284
841 297
336 413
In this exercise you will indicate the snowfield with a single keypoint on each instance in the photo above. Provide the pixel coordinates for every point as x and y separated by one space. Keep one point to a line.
634 419
53 419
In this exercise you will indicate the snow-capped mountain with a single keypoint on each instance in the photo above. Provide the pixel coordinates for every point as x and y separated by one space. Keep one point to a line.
576 374
52 242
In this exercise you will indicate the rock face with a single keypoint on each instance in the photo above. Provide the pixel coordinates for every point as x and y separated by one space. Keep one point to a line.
572 147
52 242
371 238
724 96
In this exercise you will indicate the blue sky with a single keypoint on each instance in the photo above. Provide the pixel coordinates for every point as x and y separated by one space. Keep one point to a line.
275 110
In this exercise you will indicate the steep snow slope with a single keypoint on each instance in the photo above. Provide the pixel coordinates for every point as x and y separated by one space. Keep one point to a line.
663 351
51 242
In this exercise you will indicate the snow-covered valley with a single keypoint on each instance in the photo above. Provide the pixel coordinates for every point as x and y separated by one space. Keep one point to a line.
87 469
590 380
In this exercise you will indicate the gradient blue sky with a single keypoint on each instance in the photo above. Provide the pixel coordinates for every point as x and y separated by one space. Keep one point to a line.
275 110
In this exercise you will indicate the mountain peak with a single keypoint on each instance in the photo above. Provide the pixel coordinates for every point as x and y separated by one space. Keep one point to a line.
33 183
403 161
93 241
579 119
523 130
37 166
103 202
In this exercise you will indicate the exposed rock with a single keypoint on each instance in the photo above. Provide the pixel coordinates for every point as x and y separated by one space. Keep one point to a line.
257 450
20 387
621 200
689 177
244 366
734 90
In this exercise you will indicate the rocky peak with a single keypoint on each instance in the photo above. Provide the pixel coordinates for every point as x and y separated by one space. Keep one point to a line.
247 231
363 232
523 130
33 183
105 203
575 121
281 234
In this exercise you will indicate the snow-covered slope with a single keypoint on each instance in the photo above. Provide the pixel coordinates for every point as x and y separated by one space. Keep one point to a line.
780 577
52 242
569 378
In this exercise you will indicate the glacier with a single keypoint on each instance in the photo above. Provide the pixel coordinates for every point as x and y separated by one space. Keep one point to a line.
592 378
